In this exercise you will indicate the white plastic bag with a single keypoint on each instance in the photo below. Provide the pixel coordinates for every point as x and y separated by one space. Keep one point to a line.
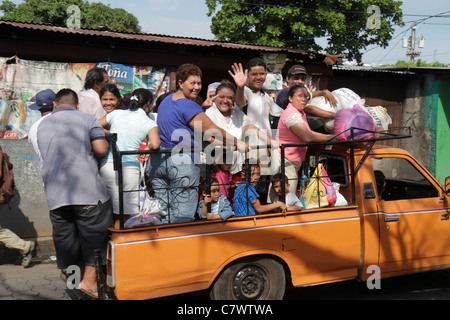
345 97
380 117
340 200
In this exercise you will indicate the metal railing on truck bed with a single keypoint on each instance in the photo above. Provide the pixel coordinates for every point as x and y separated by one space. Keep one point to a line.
351 143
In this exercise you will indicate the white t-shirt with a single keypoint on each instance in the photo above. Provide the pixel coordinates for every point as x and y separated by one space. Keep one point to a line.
291 200
260 106
232 125
32 138
132 127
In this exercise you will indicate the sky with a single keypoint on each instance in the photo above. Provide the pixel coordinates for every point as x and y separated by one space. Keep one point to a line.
189 18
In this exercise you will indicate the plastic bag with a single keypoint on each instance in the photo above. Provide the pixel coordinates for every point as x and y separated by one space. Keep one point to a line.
345 98
141 220
150 211
340 200
380 117
331 192
149 205
319 190
354 117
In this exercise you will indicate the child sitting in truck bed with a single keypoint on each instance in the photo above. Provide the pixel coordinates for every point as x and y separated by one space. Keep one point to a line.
246 199
220 206
292 202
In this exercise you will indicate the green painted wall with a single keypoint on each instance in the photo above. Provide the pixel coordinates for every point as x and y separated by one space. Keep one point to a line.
431 98
442 133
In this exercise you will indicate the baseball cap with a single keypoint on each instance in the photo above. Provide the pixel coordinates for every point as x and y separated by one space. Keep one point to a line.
43 98
296 69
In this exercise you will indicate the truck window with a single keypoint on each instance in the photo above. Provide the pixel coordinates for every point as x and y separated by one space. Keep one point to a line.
403 180
335 166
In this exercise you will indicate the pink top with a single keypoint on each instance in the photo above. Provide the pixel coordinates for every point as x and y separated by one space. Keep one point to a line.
290 117
224 179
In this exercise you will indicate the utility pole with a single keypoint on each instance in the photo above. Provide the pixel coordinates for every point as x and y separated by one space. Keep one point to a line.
410 43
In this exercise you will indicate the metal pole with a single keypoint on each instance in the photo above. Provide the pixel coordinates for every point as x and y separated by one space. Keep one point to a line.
99 274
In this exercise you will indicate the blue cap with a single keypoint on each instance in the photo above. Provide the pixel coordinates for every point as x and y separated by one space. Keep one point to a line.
43 98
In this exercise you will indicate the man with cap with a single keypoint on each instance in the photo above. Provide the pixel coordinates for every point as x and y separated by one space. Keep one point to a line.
44 103
297 75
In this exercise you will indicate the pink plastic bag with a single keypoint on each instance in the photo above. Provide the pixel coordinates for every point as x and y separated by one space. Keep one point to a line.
354 117
329 188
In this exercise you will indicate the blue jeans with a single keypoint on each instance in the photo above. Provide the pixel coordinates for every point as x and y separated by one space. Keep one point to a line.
175 179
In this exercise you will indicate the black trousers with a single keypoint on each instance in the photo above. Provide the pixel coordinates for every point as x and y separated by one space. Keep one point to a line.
78 230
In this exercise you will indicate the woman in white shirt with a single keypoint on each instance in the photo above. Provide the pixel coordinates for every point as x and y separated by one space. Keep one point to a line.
233 120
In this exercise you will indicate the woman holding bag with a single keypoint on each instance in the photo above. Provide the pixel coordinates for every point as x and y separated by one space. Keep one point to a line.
293 128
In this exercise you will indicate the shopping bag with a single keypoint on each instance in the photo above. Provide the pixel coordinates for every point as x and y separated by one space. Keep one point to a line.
150 211
315 193
354 117
329 188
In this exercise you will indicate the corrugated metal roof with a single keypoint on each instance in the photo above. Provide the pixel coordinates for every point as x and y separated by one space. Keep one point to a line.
161 38
396 70
373 69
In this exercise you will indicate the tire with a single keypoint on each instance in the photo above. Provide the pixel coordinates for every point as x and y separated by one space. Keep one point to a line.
250 279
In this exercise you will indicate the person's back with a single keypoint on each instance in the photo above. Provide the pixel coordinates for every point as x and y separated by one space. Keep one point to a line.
80 207
70 169
132 127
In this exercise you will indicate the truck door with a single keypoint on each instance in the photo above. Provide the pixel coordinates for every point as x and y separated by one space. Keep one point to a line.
414 226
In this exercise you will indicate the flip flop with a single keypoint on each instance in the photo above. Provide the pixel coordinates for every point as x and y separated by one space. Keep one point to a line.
90 292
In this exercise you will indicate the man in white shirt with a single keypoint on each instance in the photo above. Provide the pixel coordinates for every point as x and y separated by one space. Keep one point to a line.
256 103
44 103
89 99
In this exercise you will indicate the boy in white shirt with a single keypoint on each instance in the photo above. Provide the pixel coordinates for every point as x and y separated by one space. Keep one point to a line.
292 202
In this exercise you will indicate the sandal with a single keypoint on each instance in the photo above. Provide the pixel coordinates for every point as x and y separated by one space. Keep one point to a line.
92 293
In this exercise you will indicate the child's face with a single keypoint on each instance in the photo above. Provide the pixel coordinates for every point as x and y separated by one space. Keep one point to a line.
255 175
276 185
225 167
215 193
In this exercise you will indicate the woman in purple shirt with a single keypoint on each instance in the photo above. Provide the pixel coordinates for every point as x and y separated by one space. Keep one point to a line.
181 122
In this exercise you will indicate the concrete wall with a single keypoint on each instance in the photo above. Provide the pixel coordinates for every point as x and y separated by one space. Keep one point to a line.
414 117
27 213
426 111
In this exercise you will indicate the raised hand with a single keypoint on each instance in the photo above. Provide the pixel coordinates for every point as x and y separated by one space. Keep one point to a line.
239 76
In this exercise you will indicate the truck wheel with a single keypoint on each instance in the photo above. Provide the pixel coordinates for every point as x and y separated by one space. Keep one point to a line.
251 279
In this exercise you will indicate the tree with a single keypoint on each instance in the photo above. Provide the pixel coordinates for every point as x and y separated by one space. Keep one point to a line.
419 63
55 12
349 26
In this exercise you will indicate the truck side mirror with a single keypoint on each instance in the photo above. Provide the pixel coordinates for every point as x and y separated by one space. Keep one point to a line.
447 185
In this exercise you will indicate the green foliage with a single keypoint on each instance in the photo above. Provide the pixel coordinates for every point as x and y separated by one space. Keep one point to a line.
54 12
297 23
419 63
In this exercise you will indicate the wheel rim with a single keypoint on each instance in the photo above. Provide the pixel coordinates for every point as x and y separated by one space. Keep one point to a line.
250 283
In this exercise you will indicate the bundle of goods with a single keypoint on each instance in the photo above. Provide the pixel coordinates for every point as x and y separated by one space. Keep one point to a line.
347 99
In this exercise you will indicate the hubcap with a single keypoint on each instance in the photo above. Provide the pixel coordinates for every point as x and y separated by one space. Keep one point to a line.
249 283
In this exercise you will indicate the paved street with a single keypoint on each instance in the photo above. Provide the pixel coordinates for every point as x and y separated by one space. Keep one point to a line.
42 281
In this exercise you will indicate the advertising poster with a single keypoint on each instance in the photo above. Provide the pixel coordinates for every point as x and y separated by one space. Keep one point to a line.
20 80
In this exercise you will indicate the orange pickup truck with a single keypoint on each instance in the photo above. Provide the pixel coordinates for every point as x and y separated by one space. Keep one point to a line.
401 229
